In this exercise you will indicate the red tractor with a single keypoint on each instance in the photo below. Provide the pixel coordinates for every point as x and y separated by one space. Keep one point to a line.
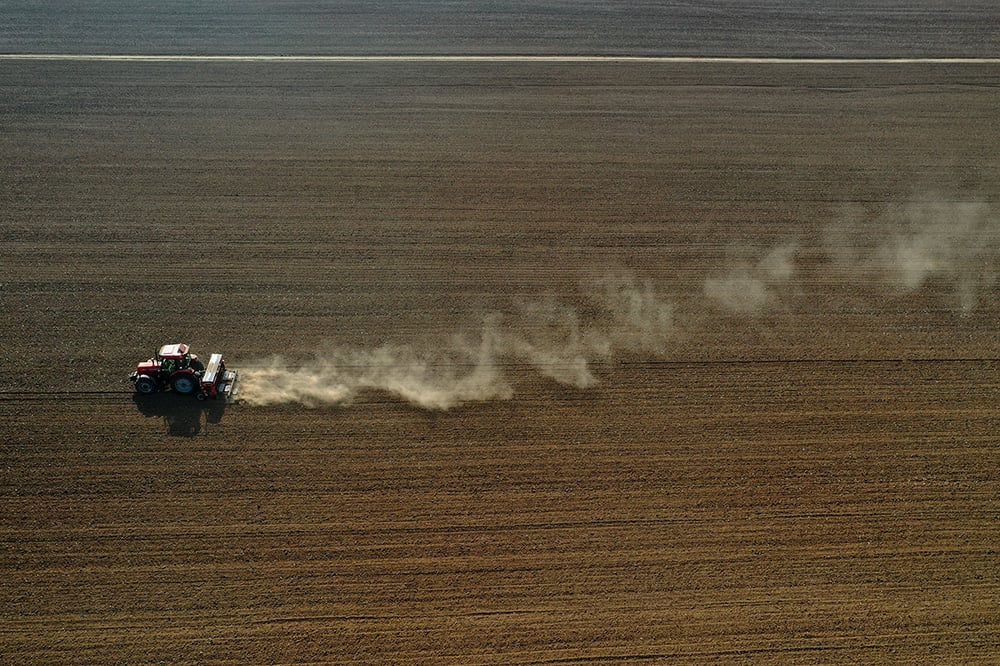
176 368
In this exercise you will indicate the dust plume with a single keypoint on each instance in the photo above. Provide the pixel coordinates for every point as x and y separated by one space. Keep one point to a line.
906 247
547 335
898 249
749 289
431 379
636 318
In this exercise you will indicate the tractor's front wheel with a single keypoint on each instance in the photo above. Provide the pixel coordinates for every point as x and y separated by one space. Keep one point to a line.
185 384
145 385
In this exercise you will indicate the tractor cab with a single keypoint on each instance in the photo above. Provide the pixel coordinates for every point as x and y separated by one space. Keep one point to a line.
168 360
176 357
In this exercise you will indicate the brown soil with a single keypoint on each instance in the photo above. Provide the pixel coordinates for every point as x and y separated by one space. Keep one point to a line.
812 482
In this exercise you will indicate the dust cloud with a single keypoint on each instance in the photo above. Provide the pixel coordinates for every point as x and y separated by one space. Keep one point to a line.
954 242
751 289
895 249
432 380
903 248
547 335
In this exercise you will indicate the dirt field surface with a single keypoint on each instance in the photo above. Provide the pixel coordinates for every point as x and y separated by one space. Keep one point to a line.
579 363
665 27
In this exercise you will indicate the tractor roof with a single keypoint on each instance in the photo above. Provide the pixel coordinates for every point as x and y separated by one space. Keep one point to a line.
174 351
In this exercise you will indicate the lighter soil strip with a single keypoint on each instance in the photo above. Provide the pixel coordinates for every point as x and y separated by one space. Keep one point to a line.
497 59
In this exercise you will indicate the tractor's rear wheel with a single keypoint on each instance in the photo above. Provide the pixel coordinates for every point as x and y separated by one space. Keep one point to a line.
185 384
197 365
145 385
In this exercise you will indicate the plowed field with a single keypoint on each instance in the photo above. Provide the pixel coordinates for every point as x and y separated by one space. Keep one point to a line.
773 438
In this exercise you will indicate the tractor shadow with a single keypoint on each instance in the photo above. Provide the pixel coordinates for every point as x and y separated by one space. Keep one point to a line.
183 415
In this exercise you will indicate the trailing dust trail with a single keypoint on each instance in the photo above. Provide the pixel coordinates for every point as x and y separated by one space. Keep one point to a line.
955 242
546 335
749 290
430 380
900 248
